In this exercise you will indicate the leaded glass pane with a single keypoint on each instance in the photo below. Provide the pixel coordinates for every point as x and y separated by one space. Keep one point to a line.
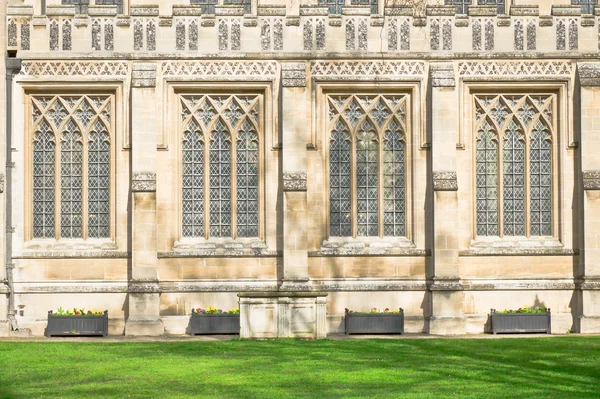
71 168
514 181
487 181
335 6
99 182
500 4
367 180
587 6
372 3
193 181
462 6
220 181
540 181
339 182
394 201
247 181
43 181
206 6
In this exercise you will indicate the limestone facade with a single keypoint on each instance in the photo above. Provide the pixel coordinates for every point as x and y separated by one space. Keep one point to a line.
309 156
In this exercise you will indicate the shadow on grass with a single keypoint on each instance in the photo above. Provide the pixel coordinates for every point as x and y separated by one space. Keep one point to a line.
494 368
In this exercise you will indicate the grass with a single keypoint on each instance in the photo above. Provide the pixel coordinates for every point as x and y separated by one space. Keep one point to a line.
558 367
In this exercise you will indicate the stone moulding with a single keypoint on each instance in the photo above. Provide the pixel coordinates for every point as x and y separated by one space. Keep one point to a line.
589 76
591 179
445 284
515 68
144 75
230 69
1 183
294 181
445 181
370 252
143 182
293 74
507 251
144 287
371 69
144 10
442 75
75 68
524 284
524 11
72 254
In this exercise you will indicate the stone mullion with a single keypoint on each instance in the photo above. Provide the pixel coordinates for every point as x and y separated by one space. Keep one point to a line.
233 181
527 182
84 179
380 184
353 184
57 181
206 188
500 183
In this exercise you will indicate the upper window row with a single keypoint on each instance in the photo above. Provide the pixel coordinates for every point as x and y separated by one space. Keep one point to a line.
335 6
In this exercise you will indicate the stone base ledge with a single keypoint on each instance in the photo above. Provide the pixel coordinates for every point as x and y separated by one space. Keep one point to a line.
446 325
589 324
144 327
282 314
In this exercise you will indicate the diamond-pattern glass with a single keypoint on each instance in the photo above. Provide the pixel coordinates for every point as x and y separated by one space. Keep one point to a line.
339 181
220 181
587 6
487 181
247 181
540 181
394 201
462 6
99 182
71 184
193 181
43 181
513 181
367 180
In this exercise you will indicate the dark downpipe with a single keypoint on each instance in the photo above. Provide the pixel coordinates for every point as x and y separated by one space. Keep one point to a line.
13 65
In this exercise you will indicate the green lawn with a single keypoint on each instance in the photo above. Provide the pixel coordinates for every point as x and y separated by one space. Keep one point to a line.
558 367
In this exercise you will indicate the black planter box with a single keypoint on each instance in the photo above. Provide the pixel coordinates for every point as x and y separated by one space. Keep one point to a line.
77 325
375 323
521 322
202 323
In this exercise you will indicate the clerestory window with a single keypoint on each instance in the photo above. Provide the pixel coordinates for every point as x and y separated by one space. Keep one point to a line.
587 6
515 138
462 6
221 136
71 161
207 6
367 165
500 4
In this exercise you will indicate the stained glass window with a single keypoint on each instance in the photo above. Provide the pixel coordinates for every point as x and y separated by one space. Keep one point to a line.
587 6
374 127
505 124
66 128
462 6
229 126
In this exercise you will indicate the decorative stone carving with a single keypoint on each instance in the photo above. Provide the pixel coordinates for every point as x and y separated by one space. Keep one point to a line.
445 181
143 286
294 181
12 33
442 75
220 68
515 68
1 183
367 68
75 68
25 35
293 74
589 73
143 182
591 179
143 75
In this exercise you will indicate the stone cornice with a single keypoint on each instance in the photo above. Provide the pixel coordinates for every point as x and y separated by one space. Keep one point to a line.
445 181
589 74
293 74
143 75
591 179
294 181
143 182
442 74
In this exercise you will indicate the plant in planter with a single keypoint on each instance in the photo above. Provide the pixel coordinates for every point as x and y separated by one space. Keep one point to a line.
522 320
215 321
77 321
375 321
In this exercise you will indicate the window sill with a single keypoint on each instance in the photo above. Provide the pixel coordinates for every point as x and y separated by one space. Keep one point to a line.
215 248
219 253
368 246
517 246
72 254
70 248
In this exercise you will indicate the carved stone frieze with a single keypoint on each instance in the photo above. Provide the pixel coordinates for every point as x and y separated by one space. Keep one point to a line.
589 73
367 68
144 75
75 68
591 179
143 182
293 74
232 69
1 183
294 181
144 287
445 181
515 68
442 75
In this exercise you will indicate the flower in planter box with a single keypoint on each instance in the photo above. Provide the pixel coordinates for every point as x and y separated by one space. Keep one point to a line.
524 309
214 310
77 312
376 311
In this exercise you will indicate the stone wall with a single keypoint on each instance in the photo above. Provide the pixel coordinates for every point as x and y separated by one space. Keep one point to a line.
292 60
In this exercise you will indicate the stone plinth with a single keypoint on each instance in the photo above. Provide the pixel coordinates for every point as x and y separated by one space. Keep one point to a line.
282 315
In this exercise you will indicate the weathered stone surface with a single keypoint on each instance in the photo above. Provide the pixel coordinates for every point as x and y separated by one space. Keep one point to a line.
143 182
591 178
445 181
442 75
294 181
143 75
